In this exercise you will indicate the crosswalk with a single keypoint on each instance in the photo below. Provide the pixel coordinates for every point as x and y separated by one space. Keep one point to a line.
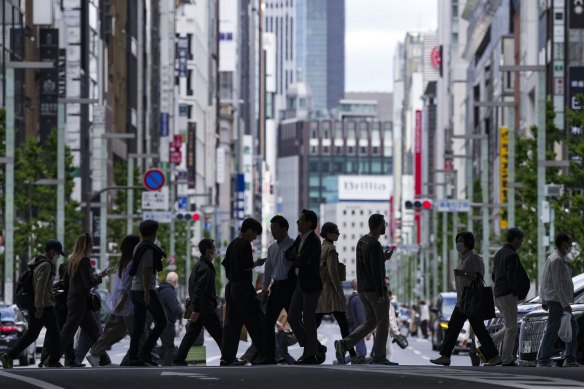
495 378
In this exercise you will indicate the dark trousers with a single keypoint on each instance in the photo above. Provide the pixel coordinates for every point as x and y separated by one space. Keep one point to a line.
456 323
211 322
242 307
424 328
343 323
167 339
302 319
279 298
35 325
70 352
140 308
78 315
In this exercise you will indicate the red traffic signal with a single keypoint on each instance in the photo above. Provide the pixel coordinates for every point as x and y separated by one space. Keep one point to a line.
196 216
418 204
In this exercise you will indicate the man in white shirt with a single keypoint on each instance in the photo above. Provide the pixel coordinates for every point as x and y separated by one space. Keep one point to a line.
557 293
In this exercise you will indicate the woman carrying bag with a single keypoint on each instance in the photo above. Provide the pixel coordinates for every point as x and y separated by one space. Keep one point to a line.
81 280
470 268
332 299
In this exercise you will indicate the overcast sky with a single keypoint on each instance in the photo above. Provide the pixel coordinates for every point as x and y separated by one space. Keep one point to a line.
373 29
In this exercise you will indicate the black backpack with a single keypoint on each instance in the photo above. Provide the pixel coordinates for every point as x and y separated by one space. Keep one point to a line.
24 297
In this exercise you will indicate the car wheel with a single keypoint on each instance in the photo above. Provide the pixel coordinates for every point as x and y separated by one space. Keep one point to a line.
23 359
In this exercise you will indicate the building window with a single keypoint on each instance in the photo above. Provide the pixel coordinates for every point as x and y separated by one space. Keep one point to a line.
363 150
313 150
339 150
326 150
375 150
350 150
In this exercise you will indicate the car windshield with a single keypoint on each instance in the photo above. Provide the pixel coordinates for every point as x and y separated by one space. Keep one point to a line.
448 307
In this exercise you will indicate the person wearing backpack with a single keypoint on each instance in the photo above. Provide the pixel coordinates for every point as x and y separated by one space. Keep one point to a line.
39 279
332 299
511 285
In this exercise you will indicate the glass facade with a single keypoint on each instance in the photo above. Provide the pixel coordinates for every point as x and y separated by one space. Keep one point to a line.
325 163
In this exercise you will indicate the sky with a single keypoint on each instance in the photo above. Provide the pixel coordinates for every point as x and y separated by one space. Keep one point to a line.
373 30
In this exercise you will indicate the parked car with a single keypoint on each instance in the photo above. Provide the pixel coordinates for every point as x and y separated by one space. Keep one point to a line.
531 320
13 325
443 309
533 326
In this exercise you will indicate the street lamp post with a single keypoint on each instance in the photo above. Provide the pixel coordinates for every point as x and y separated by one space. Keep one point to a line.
103 196
61 161
9 166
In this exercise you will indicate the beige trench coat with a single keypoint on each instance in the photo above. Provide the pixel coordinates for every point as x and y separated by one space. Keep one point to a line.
332 287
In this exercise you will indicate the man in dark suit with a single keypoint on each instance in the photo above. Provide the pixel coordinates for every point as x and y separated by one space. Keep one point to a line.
305 257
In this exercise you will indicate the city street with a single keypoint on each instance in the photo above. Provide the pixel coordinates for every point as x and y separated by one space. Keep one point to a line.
415 371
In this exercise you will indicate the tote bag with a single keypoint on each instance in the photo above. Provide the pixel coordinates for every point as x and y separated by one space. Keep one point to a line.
477 300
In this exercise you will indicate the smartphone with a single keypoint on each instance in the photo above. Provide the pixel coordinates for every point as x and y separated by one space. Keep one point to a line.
106 271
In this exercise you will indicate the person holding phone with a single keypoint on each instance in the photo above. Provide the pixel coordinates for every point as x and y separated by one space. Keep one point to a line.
121 320
80 282
242 305
372 292
470 268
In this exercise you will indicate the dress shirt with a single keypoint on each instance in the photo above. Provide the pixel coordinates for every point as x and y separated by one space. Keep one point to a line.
277 267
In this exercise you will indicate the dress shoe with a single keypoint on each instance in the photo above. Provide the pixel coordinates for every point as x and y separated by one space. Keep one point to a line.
494 361
442 360
308 360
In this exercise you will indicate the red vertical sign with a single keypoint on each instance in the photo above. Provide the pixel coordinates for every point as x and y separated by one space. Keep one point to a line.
418 167
391 219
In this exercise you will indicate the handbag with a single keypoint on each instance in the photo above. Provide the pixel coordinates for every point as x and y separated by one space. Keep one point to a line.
477 300
401 341
342 269
94 302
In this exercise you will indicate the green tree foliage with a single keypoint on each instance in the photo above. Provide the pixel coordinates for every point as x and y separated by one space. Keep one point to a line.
35 206
526 195
570 206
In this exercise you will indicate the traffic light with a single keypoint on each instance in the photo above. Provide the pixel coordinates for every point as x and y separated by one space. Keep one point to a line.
419 204
188 216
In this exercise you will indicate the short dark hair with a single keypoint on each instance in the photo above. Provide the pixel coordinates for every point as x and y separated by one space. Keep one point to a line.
281 222
205 244
375 221
327 228
251 224
311 217
148 227
467 237
514 233
561 238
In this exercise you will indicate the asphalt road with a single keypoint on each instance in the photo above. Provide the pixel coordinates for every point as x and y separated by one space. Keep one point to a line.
415 371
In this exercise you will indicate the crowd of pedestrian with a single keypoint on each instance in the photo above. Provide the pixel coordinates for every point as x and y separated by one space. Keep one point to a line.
302 283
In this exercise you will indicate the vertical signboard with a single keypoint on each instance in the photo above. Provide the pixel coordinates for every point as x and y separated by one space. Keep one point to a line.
182 55
164 124
576 13
503 172
576 76
418 167
190 154
238 207
48 81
